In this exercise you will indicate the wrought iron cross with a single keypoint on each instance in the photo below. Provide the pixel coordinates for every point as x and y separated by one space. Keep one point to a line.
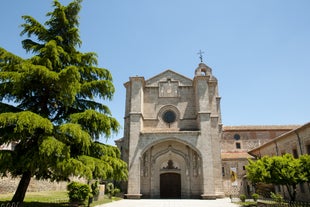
200 55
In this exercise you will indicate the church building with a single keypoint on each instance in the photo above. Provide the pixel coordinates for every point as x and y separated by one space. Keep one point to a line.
172 135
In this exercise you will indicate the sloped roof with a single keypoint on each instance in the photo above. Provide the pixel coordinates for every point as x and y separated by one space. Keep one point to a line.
260 127
252 151
235 155
169 74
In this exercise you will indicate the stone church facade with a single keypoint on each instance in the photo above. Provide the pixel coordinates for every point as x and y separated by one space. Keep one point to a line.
172 136
175 144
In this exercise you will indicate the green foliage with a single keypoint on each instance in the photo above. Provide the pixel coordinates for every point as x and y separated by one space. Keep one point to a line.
255 196
280 170
78 192
285 170
116 191
94 122
111 190
248 204
242 197
49 199
6 160
43 196
257 170
110 187
51 105
305 167
276 197
95 188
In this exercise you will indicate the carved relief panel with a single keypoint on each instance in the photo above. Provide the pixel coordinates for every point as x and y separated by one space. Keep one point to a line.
168 89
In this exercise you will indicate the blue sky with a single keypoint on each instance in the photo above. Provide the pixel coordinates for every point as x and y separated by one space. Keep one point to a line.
259 50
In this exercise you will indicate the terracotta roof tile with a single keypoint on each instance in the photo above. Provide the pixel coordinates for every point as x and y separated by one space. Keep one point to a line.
235 155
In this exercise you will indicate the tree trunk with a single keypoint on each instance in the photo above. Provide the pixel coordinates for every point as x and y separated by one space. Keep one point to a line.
291 193
22 188
294 192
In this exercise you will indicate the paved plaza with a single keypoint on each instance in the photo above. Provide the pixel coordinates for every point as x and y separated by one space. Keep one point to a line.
225 202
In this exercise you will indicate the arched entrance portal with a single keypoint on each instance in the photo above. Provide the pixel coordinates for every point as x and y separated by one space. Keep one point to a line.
171 169
170 185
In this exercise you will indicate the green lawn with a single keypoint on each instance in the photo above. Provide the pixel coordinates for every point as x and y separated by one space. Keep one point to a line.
48 199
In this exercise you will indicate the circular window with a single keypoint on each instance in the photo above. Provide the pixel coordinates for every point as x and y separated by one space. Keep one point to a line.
236 136
169 116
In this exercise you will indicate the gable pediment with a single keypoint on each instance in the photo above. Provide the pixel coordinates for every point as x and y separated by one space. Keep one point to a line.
168 75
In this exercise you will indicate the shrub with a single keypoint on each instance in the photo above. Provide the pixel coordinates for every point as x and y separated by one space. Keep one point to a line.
111 190
276 197
95 188
242 197
78 192
116 191
255 196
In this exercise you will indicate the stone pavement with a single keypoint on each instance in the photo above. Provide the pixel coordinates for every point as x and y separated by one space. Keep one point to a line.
224 202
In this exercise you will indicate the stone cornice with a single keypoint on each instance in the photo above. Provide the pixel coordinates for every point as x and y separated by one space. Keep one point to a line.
169 132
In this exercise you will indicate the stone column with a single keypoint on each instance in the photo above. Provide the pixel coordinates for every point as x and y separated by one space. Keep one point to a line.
209 139
205 144
135 125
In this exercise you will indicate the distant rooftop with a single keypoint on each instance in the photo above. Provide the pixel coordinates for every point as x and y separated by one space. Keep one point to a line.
235 155
260 127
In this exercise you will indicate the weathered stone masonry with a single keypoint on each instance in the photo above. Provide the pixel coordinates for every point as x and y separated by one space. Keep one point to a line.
172 132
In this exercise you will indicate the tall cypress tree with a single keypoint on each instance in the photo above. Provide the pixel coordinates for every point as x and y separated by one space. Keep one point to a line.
50 106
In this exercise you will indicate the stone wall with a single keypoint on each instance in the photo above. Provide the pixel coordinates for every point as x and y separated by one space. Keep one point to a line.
9 185
250 137
236 141
295 142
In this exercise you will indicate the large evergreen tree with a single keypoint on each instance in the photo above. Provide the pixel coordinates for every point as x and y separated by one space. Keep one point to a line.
50 106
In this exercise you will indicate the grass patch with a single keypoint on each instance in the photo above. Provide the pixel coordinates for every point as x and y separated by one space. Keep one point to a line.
49 199
247 203
47 196
105 200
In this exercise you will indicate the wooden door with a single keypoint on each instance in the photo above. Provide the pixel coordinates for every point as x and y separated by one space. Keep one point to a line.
170 185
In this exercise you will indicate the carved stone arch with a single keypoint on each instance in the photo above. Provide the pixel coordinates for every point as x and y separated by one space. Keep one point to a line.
148 146
168 149
155 159
172 150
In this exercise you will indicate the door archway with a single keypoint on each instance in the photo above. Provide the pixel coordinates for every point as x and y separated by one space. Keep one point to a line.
170 185
171 156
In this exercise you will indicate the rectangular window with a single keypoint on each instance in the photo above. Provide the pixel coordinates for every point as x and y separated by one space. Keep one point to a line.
295 153
243 167
238 145
223 171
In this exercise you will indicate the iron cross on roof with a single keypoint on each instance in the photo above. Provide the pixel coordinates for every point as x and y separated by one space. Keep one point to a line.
200 55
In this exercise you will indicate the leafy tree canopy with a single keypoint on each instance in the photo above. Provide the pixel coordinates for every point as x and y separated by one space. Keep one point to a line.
280 170
49 106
